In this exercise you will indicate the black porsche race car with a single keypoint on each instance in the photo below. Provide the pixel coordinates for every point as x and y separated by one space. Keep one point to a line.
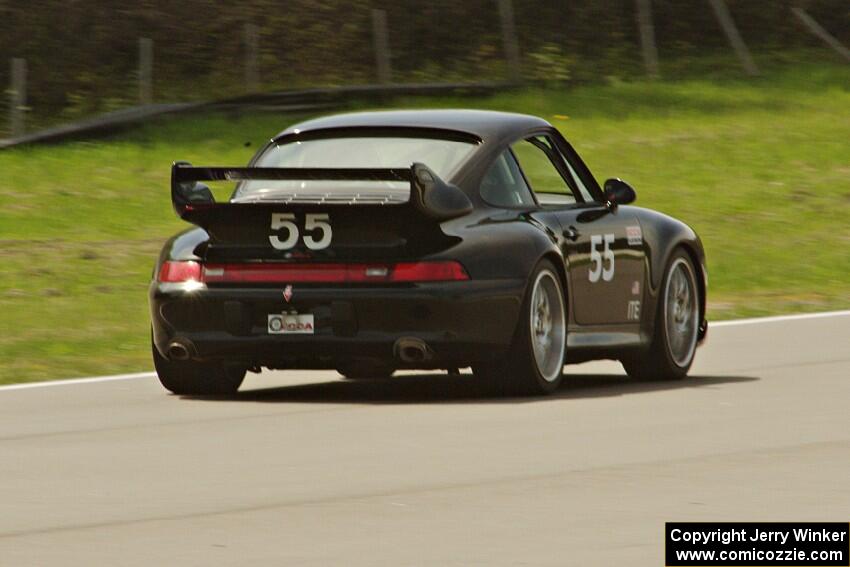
441 239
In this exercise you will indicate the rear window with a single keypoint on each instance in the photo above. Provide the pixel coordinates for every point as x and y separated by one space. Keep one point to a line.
442 156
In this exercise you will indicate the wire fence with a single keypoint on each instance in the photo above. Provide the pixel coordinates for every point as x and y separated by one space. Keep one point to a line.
70 62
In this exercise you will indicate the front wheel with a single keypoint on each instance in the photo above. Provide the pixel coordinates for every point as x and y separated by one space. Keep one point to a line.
197 378
676 325
535 360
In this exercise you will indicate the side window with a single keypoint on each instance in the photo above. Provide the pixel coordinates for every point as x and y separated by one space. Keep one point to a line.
542 164
582 188
504 185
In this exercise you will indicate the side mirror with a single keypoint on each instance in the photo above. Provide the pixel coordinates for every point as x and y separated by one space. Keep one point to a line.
186 193
618 192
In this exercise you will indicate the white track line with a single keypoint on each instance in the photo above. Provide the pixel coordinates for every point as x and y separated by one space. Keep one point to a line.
90 380
730 323
776 319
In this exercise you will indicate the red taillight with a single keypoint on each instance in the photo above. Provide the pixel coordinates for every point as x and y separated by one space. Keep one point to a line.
179 272
271 273
334 273
428 272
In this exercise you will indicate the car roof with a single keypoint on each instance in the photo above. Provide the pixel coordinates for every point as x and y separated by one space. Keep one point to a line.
483 124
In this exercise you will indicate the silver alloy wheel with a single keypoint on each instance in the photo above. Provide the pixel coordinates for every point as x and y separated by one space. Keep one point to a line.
681 312
548 325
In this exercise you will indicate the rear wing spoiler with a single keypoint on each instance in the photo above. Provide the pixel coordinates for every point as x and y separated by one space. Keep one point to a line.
181 173
428 193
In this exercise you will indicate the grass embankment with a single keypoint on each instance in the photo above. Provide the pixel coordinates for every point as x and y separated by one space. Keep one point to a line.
761 169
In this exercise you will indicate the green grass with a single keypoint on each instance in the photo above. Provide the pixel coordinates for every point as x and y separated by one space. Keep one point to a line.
761 169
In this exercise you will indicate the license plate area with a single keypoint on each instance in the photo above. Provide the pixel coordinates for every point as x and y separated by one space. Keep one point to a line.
291 324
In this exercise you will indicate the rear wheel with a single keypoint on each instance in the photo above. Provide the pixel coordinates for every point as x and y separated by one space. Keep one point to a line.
676 326
197 378
535 360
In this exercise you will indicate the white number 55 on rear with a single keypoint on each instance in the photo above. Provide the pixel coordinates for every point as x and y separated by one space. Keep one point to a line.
314 222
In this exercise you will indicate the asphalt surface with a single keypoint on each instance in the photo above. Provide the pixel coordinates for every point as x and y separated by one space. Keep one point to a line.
302 468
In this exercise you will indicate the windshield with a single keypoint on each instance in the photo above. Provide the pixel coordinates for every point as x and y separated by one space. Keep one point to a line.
442 156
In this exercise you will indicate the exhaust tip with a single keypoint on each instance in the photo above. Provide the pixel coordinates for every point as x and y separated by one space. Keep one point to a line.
412 350
411 354
178 351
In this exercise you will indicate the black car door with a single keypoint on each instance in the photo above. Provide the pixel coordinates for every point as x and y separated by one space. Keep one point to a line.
604 247
606 265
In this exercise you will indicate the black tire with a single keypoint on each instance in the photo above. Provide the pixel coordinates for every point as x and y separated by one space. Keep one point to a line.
663 360
197 378
523 370
365 371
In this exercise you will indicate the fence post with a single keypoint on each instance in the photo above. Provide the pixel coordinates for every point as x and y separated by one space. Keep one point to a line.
818 30
728 25
647 37
509 38
252 80
382 48
18 97
145 70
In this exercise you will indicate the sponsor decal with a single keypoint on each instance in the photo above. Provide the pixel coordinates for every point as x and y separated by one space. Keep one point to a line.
634 235
636 288
291 323
633 313
287 293
292 326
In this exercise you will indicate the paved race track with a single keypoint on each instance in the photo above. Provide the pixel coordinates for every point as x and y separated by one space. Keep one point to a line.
304 469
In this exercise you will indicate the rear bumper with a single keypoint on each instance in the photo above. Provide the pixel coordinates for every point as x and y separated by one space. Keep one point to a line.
461 322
